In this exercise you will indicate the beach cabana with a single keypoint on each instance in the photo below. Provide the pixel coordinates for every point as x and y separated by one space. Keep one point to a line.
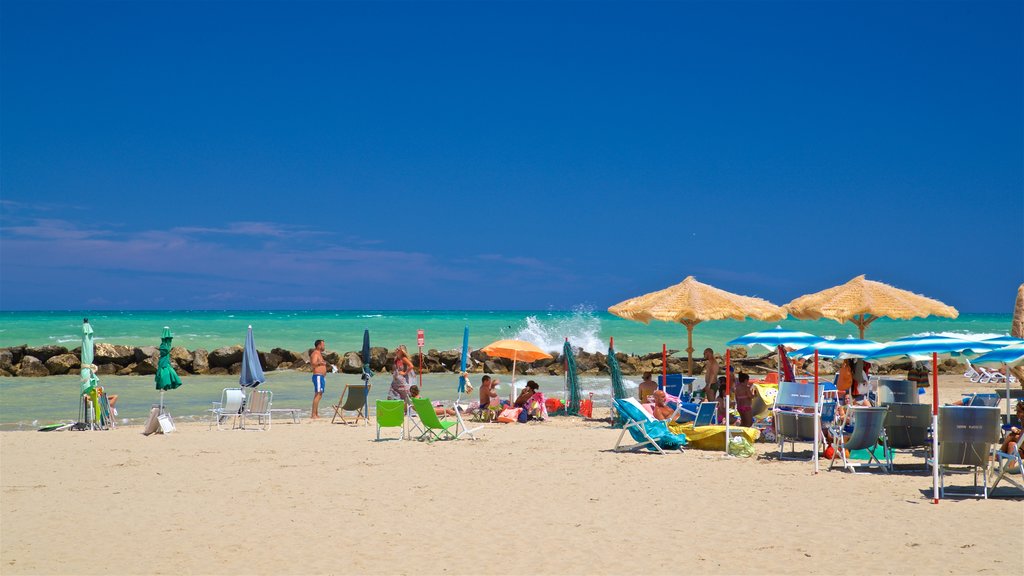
862 301
691 302
919 348
514 350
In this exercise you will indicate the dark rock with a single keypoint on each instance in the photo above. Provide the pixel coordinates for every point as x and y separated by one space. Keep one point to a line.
200 361
104 353
107 369
5 373
450 359
492 367
182 357
285 355
352 363
147 366
44 353
332 357
225 356
62 364
218 371
269 361
235 368
284 366
6 359
17 352
127 370
32 367
738 353
378 358
144 352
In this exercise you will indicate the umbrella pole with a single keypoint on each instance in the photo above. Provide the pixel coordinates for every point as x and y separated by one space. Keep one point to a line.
689 348
512 396
935 428
1006 369
664 369
817 413
728 389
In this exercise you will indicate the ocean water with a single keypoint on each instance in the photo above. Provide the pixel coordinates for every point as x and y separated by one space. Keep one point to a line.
343 330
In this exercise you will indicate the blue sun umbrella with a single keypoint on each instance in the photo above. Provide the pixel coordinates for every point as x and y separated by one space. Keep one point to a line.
1008 356
841 348
776 337
252 373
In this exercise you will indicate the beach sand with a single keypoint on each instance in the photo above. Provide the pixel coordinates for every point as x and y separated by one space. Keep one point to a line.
547 498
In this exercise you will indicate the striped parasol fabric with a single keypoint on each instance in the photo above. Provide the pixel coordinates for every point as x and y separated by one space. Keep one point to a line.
776 337
920 347
840 348
1004 340
1009 355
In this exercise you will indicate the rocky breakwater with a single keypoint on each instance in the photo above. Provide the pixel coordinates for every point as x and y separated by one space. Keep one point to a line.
117 359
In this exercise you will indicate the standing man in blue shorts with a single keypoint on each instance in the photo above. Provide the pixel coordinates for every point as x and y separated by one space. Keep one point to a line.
316 359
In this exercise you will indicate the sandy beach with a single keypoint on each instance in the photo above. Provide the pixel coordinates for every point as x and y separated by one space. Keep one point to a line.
546 498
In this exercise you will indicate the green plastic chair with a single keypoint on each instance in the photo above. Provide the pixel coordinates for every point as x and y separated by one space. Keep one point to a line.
391 414
433 427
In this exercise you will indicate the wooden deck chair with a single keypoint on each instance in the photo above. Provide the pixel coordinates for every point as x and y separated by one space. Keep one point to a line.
353 399
258 407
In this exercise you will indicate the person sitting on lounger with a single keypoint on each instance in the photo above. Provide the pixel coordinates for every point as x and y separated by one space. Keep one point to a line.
414 392
662 411
1013 436
646 388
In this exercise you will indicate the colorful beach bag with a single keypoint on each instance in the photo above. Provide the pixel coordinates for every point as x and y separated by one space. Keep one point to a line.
509 415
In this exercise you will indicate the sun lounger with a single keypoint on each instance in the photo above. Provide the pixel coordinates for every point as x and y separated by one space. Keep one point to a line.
896 390
1010 467
907 426
966 438
705 415
433 427
647 432
983 400
391 414
353 399
229 408
794 417
868 434
258 407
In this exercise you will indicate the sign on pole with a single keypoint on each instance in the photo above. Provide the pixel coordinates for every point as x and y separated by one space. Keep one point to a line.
419 344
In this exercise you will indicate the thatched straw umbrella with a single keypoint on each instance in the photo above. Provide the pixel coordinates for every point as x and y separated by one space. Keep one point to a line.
690 303
863 301
1017 329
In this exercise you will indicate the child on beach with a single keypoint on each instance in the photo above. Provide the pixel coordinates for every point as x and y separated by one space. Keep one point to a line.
414 392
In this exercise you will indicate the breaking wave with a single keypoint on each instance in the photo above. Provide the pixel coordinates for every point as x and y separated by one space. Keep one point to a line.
548 332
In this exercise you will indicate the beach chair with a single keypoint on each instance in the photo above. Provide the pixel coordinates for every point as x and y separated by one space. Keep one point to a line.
972 373
705 415
868 434
229 407
793 415
258 407
647 432
461 429
896 390
1008 466
966 438
353 399
908 426
983 400
391 414
433 427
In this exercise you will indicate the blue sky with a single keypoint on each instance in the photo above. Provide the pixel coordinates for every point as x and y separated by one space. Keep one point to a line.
505 155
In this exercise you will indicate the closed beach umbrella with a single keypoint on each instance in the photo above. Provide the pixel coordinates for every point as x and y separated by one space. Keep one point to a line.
514 350
367 370
618 387
917 347
166 378
462 362
690 302
252 373
88 372
863 301
572 382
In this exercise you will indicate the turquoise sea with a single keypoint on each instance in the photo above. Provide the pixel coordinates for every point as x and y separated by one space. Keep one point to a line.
28 402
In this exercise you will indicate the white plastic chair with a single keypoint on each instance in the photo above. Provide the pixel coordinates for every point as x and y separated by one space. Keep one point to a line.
230 406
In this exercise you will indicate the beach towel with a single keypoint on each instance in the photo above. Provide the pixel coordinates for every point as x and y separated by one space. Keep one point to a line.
509 415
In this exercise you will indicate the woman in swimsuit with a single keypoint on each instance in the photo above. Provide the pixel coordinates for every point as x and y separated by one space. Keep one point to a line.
400 374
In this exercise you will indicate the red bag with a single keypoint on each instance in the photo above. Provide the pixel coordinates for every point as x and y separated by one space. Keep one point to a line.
553 405
587 408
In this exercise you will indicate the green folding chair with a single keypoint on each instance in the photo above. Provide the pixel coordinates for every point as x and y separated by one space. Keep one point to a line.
433 427
391 414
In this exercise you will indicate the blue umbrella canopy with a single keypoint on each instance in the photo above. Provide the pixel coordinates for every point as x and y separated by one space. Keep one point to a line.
462 365
1004 340
252 373
776 337
840 348
166 378
1010 356
920 347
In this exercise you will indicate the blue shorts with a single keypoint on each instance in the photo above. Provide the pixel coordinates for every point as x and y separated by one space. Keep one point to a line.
318 383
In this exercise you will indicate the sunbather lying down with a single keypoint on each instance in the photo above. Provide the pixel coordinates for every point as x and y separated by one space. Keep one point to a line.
414 392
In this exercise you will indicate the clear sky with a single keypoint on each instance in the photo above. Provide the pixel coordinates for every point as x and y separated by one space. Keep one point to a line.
506 155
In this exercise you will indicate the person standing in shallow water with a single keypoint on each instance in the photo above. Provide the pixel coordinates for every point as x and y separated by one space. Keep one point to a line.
316 359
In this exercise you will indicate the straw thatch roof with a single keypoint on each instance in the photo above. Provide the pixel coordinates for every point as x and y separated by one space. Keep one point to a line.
692 302
1017 329
862 301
